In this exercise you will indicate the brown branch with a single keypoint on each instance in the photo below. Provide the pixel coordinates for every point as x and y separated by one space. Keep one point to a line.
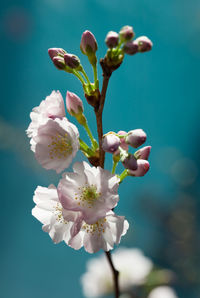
98 113
115 274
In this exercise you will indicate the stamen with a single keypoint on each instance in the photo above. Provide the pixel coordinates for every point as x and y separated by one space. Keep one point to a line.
60 146
58 212
98 227
87 196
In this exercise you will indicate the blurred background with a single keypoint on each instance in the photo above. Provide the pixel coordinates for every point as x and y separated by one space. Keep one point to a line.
157 91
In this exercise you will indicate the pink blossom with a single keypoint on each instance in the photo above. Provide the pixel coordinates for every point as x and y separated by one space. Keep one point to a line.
102 234
90 190
56 143
51 107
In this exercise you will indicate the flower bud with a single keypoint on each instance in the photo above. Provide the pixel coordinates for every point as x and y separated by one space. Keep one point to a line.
74 104
126 33
53 52
88 43
144 44
110 143
71 61
123 144
143 153
59 62
130 48
142 168
130 162
112 39
136 138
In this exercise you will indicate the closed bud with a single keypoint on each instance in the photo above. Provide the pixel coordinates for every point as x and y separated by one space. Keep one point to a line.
123 144
88 43
71 61
142 168
74 104
59 62
136 138
130 162
112 39
130 48
110 143
53 52
144 44
143 153
126 33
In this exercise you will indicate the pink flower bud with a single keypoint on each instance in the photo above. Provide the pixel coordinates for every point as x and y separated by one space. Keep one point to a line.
112 39
130 48
142 168
144 44
53 52
88 43
126 33
136 138
130 162
110 143
71 60
59 62
123 144
143 153
74 104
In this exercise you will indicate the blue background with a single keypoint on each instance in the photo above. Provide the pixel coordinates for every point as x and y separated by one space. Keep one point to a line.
157 91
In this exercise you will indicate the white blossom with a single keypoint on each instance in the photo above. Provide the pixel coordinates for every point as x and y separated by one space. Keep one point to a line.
52 107
162 292
90 190
56 144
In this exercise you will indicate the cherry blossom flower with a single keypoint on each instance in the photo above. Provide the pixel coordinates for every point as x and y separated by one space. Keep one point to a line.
56 143
51 107
103 234
65 225
162 291
134 267
90 190
49 212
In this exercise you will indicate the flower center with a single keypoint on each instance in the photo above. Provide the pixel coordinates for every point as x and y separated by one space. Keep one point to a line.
98 227
58 213
60 146
88 195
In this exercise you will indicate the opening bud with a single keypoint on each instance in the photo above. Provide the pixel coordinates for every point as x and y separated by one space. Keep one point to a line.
136 138
126 33
130 48
71 60
112 39
143 153
142 168
110 143
88 43
74 104
130 162
144 44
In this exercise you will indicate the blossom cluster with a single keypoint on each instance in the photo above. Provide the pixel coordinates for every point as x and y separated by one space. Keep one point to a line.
80 209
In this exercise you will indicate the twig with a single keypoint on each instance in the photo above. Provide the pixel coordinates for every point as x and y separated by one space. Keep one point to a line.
98 112
115 274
